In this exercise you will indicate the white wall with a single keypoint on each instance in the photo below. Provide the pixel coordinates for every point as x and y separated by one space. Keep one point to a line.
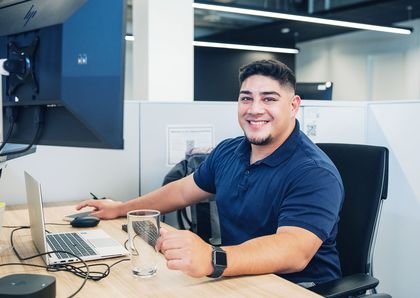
364 65
163 53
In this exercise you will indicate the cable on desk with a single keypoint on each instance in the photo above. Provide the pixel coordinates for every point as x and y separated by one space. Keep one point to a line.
48 267
48 223
76 270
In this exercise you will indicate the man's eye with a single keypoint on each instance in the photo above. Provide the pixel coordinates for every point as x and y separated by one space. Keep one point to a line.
269 99
245 98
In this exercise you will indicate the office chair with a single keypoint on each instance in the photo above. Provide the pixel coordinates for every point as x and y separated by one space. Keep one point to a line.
364 171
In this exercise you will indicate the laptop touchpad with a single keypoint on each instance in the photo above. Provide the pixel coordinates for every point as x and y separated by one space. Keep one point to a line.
103 242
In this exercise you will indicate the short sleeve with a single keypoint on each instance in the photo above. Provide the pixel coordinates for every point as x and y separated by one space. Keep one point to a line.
204 175
313 201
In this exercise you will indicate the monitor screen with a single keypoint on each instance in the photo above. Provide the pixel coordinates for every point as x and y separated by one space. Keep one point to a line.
319 90
66 71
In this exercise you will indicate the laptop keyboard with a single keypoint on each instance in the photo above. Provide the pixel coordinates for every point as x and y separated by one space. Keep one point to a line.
70 242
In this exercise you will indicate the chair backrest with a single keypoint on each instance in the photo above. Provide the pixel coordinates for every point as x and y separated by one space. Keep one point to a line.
364 171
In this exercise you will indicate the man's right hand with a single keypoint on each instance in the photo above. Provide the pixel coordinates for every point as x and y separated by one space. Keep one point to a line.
103 209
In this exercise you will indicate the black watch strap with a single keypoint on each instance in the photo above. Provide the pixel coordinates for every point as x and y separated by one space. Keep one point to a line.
219 262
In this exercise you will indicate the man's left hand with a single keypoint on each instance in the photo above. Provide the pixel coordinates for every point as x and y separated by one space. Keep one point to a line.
185 251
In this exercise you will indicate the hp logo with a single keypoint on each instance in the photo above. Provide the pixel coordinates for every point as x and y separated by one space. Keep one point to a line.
29 15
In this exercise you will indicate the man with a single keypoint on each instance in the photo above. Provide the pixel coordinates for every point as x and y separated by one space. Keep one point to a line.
277 193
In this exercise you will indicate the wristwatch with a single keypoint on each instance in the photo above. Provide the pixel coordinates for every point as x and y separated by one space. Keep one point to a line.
219 262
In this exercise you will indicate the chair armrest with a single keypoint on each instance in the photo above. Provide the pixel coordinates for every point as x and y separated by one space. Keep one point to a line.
349 285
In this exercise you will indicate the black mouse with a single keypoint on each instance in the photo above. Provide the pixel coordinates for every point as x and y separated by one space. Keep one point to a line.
85 222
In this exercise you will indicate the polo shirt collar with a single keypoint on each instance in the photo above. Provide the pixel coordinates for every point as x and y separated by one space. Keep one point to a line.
280 155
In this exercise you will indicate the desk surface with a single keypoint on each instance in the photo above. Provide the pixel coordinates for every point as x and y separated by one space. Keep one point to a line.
120 283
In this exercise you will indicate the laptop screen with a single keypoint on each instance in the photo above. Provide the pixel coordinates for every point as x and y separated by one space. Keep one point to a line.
36 214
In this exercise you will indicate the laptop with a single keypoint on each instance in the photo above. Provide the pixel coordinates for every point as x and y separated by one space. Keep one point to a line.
88 245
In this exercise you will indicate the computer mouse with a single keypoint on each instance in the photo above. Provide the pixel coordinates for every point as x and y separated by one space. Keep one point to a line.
85 222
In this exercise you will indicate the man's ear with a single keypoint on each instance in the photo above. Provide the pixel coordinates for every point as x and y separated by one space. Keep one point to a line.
295 104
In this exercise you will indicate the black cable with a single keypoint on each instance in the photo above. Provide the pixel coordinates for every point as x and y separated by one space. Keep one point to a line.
34 140
7 137
120 261
12 243
76 270
48 223
15 227
39 120
48 267
11 115
57 224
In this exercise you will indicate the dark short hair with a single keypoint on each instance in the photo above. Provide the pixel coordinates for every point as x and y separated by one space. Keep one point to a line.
270 68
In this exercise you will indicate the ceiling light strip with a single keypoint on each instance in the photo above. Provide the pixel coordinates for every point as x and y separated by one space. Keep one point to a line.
299 18
244 47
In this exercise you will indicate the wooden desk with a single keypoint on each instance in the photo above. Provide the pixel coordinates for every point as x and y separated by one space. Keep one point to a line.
120 283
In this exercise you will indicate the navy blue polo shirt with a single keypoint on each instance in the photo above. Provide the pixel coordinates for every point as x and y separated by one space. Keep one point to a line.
297 185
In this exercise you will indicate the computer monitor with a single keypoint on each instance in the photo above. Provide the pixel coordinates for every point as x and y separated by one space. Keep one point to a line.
319 90
66 63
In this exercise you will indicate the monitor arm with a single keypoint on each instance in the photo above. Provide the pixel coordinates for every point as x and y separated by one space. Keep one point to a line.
11 115
19 66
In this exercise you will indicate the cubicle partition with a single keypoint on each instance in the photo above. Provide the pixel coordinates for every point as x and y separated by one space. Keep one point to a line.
339 122
168 129
396 262
68 174
156 134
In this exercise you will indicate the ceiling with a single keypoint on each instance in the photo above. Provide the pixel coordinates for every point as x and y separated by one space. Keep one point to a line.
236 28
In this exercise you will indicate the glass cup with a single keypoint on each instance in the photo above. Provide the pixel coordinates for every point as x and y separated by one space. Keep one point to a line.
143 231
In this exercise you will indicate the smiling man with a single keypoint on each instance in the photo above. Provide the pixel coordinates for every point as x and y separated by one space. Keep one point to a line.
278 195
266 112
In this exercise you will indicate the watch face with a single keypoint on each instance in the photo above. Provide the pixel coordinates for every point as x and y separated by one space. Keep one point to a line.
221 258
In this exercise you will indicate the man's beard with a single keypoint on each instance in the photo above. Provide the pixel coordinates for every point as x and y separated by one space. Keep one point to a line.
259 141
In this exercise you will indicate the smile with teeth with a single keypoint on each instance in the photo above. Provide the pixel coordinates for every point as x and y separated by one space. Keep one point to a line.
257 123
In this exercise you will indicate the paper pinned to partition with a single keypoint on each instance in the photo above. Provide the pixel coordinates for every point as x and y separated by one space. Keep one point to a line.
180 139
